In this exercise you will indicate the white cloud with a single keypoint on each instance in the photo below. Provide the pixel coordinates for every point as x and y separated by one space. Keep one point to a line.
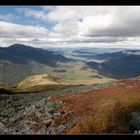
78 24
38 14
63 13
67 28
92 20
12 30
94 24
7 17
97 21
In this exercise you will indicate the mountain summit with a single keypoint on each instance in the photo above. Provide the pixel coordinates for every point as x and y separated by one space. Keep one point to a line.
26 53
20 61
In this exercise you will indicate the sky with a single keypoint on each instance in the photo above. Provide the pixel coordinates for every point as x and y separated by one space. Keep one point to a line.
70 26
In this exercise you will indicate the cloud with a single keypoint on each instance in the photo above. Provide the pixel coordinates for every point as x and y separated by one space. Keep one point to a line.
90 20
97 21
37 14
8 17
67 28
12 30
64 13
77 24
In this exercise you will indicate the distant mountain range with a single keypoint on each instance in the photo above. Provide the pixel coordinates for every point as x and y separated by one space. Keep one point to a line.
120 65
115 55
22 54
95 51
19 61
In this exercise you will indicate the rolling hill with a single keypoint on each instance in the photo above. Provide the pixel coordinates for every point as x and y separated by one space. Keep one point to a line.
120 65
118 54
105 55
22 54
17 62
96 51
121 68
37 83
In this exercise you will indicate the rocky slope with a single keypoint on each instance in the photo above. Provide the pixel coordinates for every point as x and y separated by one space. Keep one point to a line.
114 109
97 109
36 113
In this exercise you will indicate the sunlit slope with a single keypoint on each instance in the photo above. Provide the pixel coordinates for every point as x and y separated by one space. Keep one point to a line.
37 83
107 110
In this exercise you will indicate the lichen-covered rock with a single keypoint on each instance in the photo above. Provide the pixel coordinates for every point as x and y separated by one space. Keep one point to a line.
47 122
22 113
49 98
135 120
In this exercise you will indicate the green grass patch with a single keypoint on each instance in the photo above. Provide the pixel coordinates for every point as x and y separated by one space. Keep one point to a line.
40 88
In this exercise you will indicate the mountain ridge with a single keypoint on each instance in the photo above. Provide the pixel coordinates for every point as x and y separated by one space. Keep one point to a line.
20 61
37 54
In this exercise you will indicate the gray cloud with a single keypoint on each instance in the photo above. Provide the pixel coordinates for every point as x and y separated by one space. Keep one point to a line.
77 24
